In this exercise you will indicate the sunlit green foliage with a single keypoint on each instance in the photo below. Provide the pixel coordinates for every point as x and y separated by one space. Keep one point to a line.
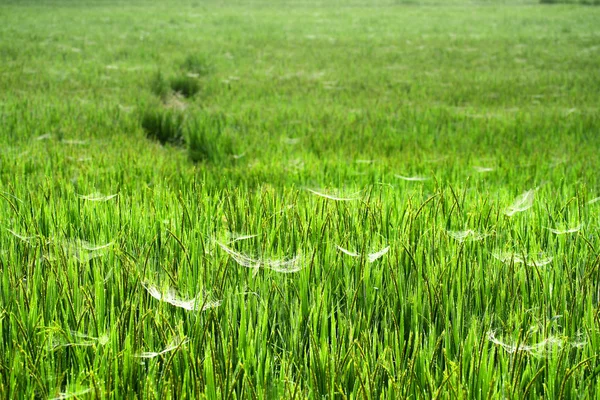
386 199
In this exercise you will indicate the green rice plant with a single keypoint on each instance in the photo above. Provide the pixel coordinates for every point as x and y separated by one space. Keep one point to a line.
164 125
197 64
160 86
208 140
385 199
185 85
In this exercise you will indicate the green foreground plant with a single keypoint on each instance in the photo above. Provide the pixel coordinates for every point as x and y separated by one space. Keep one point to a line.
387 200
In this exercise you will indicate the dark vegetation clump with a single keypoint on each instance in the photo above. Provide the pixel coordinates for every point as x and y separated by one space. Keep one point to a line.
208 140
185 85
164 125
205 136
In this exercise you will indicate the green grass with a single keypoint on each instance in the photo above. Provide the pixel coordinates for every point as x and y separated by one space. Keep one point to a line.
166 126
299 104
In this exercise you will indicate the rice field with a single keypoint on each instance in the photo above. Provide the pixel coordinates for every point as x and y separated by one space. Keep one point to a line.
284 199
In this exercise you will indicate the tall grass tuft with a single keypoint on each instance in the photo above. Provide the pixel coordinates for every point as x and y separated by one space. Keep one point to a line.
185 85
160 86
164 125
208 141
